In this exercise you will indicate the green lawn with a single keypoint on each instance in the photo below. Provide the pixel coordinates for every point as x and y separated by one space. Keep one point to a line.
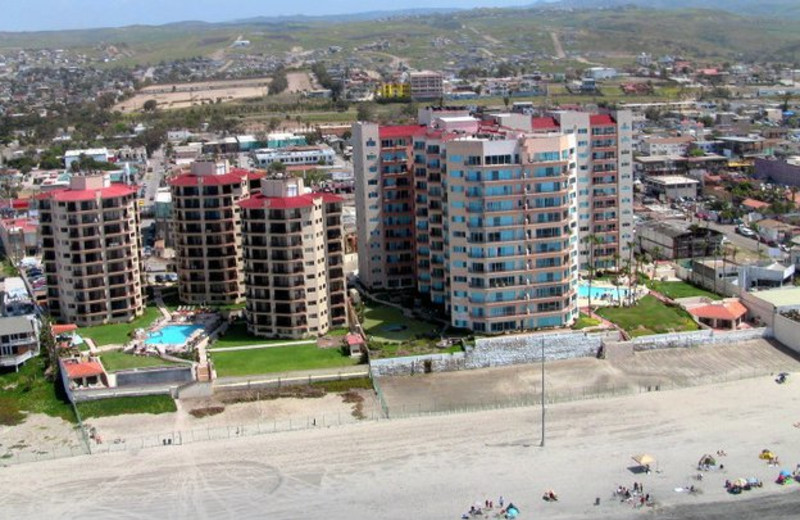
28 390
675 290
116 360
154 404
342 331
377 318
585 321
418 347
649 316
237 336
278 359
119 333
8 269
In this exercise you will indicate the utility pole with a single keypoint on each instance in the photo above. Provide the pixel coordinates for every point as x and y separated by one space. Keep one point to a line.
542 444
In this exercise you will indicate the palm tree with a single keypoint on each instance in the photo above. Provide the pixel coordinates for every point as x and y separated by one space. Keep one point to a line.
592 240
630 274
717 251
656 257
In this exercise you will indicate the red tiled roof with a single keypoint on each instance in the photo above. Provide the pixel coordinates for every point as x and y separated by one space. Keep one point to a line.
354 339
330 198
601 119
61 329
27 224
81 369
544 123
728 311
68 195
259 200
400 131
754 204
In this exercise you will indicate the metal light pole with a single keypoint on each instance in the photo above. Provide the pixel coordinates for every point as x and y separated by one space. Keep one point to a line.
542 444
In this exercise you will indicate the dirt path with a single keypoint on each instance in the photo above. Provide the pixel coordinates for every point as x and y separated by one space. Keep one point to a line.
557 45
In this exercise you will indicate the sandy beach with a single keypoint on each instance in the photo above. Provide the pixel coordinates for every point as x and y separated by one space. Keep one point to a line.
435 467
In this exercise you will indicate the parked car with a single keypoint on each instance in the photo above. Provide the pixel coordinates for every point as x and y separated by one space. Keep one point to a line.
160 278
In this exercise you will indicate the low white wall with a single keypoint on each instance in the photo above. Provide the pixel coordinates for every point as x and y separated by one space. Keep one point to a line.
787 331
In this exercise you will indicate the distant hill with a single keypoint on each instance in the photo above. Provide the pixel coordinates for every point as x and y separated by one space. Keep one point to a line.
353 17
437 37
765 8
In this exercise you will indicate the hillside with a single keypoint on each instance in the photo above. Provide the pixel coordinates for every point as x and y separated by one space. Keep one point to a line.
785 9
434 40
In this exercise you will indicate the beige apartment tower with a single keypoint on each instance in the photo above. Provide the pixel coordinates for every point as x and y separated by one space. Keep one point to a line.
92 251
207 232
293 259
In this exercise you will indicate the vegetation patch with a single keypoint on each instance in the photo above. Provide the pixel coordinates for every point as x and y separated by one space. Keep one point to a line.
206 411
675 290
312 391
357 400
388 324
119 333
585 321
649 316
154 404
30 391
10 415
279 359
117 360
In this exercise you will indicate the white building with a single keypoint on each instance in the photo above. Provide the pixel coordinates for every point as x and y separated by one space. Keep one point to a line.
672 187
98 154
295 156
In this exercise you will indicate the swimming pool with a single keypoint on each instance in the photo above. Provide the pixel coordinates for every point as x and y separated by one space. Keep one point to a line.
602 292
172 335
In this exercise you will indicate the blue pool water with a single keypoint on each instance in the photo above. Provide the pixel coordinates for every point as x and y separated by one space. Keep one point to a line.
172 334
600 292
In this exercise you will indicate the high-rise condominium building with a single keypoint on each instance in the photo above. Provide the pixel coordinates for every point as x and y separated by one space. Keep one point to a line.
496 211
605 185
207 231
384 161
293 259
92 251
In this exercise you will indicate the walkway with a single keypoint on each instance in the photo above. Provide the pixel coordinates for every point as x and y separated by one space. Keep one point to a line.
264 345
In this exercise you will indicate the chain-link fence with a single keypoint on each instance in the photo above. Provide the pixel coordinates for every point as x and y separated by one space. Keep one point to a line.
484 402
232 431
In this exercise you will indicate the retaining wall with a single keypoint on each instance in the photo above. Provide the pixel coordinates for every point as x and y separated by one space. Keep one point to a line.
410 365
522 349
154 376
787 331
696 338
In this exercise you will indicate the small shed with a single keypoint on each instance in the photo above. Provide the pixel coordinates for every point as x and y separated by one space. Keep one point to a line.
356 344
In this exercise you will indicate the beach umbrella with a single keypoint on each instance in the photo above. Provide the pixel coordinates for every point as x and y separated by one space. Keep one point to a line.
785 473
740 482
644 459
752 481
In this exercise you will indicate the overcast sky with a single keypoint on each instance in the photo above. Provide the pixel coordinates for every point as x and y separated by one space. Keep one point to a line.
35 15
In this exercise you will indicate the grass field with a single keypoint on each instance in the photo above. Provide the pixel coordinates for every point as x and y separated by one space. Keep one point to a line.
649 316
119 333
675 290
29 391
154 404
116 361
278 359
379 318
237 336
585 321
